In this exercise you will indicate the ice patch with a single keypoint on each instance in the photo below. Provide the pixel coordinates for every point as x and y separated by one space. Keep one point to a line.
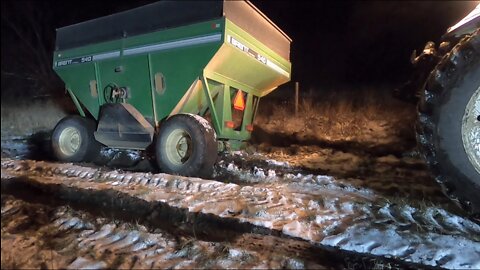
407 213
258 172
324 179
458 223
295 264
320 219
271 174
110 239
235 253
107 152
84 263
440 250
104 231
130 239
16 147
238 153
86 233
133 154
232 167
348 207
75 223
277 163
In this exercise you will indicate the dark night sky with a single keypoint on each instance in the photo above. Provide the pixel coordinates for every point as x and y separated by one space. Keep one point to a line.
360 42
334 42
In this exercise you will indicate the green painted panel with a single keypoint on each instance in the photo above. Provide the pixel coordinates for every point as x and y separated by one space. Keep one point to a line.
77 79
177 33
130 72
180 68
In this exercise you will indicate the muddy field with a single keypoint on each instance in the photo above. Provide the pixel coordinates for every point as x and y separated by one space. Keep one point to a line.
52 236
315 194
275 207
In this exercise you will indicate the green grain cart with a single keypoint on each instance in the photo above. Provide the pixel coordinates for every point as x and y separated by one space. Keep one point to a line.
187 75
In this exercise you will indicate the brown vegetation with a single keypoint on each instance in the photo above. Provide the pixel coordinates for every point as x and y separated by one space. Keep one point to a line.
363 117
31 116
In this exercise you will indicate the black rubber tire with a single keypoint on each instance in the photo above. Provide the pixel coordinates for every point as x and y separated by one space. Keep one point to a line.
442 105
89 148
204 147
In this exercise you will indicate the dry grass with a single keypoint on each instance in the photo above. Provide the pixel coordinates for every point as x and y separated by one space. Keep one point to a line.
367 115
28 117
363 115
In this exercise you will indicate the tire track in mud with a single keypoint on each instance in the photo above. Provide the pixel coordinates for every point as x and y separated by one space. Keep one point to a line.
294 252
73 239
428 214
387 176
285 251
436 220
325 214
410 178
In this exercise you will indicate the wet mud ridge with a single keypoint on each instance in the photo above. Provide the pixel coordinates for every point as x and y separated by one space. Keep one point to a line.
386 176
314 219
51 236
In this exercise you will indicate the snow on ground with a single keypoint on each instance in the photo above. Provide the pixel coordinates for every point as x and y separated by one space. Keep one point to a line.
17 147
53 238
321 209
396 178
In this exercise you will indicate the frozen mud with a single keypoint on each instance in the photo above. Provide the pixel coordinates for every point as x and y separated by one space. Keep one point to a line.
63 238
389 175
321 209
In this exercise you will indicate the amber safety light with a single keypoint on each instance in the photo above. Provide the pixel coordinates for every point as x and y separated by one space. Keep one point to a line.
239 101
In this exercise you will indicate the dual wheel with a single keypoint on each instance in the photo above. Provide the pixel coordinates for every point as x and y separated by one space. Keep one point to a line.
186 144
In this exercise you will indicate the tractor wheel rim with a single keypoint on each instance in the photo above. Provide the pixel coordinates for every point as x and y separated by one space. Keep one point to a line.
70 141
179 147
471 130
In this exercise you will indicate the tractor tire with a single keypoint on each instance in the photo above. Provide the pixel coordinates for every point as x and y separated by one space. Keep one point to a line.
187 145
73 140
448 126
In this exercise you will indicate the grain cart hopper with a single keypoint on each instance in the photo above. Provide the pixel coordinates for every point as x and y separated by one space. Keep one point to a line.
186 74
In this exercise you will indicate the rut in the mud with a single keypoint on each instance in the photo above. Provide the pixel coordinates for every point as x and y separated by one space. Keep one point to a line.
405 175
179 222
391 176
312 208
52 236
390 196
388 176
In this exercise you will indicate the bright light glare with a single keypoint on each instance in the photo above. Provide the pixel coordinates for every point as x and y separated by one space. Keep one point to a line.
472 15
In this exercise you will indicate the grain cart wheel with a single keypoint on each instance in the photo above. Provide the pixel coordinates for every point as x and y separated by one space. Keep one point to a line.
448 129
73 140
186 145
